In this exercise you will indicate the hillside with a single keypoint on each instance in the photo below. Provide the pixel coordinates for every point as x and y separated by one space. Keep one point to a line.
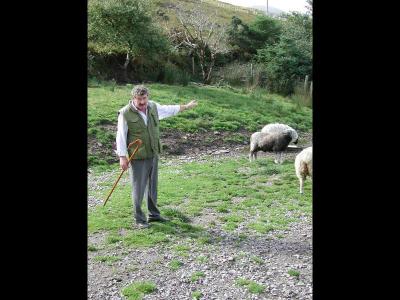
271 10
166 11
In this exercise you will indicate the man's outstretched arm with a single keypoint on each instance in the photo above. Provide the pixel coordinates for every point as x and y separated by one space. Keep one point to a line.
165 111
190 105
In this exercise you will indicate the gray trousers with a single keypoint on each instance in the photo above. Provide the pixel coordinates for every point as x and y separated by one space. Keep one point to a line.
144 177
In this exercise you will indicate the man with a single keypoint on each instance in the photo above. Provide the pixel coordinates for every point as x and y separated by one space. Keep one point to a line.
139 119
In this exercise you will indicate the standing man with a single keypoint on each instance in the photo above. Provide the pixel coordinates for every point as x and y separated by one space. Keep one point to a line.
139 119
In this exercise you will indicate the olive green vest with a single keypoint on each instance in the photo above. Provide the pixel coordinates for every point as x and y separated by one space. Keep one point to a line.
150 134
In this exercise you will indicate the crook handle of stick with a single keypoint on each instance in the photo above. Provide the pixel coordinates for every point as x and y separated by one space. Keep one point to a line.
139 143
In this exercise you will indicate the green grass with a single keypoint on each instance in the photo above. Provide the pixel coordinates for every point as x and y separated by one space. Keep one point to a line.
175 264
113 238
107 259
92 248
207 185
202 259
261 227
137 290
257 260
204 239
252 286
196 276
232 222
219 109
182 250
196 295
294 273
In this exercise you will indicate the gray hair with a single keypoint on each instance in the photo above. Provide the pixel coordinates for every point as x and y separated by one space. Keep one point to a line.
139 90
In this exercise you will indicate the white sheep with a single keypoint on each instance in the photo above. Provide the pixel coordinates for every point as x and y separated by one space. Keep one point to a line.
303 166
275 142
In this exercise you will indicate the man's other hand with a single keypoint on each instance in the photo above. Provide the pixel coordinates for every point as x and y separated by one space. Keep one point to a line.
123 162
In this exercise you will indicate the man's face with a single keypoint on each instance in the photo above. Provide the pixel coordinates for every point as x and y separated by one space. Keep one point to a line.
141 102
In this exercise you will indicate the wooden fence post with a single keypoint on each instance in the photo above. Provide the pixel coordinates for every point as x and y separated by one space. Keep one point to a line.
305 84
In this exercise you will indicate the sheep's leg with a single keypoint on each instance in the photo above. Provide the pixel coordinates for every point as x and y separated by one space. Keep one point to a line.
276 158
252 156
280 157
301 184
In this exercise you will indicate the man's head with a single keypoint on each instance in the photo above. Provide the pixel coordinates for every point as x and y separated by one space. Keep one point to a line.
140 96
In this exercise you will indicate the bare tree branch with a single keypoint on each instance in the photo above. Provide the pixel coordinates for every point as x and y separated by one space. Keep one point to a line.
203 35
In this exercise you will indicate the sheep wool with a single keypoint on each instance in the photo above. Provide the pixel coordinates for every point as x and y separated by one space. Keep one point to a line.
273 142
303 166
278 128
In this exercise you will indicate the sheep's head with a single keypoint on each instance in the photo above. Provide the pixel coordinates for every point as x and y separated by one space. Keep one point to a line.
293 134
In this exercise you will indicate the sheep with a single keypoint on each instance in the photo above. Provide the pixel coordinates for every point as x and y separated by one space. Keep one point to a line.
303 166
278 127
275 142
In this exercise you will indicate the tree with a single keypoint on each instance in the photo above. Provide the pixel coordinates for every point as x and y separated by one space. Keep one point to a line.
201 34
309 6
298 27
123 27
291 58
246 39
285 64
265 31
239 38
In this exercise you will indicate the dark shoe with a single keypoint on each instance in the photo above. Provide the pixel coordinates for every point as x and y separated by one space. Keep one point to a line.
142 225
157 219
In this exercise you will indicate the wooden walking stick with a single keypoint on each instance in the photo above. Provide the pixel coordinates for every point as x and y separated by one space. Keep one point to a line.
139 142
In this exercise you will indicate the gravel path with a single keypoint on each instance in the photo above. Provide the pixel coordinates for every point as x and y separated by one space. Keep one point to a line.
263 258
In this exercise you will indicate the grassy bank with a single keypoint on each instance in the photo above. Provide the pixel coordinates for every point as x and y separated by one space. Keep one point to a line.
220 109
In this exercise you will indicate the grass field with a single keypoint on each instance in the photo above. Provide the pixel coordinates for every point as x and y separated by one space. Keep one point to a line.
221 109
258 195
243 200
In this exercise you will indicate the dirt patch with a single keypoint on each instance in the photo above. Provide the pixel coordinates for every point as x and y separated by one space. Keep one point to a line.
178 143
207 217
104 151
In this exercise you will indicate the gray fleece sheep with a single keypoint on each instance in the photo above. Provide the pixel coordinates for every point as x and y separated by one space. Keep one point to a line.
271 142
278 127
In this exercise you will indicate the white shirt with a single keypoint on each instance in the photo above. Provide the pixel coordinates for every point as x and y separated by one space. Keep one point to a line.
164 111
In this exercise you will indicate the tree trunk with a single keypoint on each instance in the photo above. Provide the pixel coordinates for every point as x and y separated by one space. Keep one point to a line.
203 72
193 65
125 67
208 78
202 65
